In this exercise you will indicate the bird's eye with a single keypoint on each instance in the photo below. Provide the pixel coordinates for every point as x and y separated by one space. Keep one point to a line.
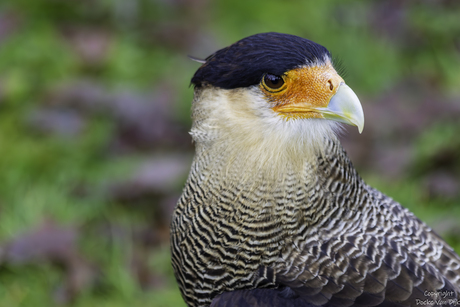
272 82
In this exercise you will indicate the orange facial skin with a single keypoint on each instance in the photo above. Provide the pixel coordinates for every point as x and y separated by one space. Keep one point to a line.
304 90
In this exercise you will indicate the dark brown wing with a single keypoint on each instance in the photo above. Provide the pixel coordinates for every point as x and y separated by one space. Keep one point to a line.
269 297
388 285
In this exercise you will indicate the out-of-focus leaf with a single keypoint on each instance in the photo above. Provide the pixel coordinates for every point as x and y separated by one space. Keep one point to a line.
157 176
50 243
54 121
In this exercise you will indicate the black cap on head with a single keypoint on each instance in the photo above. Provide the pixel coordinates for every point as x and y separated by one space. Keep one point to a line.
246 61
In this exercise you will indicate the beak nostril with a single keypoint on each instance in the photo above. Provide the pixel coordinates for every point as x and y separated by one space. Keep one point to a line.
331 86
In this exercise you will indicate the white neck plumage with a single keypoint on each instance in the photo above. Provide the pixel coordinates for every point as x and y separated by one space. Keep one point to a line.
241 136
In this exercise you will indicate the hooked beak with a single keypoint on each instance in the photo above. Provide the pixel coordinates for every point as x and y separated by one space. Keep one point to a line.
344 107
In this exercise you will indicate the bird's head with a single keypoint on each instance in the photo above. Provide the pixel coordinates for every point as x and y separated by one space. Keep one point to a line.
274 89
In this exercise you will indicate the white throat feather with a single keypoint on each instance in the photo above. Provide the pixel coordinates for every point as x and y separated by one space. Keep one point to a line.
240 134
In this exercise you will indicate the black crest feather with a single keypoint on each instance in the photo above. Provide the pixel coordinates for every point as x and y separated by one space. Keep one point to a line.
244 63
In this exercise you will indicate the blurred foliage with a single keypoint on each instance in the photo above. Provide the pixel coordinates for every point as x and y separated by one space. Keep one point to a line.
94 96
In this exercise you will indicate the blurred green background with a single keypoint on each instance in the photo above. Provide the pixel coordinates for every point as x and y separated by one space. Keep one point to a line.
94 114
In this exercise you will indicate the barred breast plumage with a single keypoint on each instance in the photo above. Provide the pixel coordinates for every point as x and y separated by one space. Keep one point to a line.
274 214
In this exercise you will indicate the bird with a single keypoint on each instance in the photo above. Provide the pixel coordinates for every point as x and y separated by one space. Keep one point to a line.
273 213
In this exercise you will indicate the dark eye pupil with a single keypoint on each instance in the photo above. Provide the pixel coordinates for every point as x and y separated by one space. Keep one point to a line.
273 81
